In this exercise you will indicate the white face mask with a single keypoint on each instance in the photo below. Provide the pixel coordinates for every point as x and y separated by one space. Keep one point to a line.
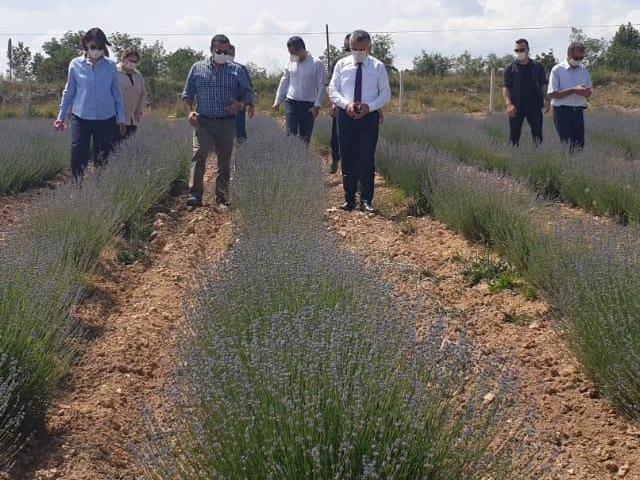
359 56
294 58
129 65
220 58
575 63
95 54
521 56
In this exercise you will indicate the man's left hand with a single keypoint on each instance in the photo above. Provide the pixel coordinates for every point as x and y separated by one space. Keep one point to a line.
251 111
381 120
364 110
314 111
234 108
122 129
547 106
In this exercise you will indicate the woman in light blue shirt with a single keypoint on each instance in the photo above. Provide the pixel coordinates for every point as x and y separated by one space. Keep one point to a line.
93 100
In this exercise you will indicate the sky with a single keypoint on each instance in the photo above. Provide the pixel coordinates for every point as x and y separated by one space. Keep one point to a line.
262 28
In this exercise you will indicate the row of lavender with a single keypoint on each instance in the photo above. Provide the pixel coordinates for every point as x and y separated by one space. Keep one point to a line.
31 152
604 178
45 267
298 362
589 268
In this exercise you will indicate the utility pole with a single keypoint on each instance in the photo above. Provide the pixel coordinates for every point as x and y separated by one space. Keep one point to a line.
328 50
10 57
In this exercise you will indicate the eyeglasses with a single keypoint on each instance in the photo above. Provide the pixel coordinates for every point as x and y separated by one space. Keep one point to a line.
222 52
132 61
519 50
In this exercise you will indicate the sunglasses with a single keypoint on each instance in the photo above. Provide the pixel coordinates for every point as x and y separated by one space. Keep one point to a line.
519 50
222 52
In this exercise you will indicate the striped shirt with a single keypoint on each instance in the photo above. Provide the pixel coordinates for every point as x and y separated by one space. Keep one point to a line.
214 88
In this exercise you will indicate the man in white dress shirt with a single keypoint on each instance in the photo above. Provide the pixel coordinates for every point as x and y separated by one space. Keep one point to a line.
359 88
302 87
569 87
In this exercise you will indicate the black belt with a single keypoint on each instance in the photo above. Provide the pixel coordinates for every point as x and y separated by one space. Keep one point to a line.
569 107
226 117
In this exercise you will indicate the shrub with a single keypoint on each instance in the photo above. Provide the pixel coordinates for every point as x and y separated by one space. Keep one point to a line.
299 363
31 152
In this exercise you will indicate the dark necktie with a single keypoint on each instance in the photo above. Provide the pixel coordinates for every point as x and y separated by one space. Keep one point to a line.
357 94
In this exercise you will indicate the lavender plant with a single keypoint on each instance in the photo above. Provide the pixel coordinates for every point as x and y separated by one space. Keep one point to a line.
44 265
600 179
298 362
9 418
30 152
589 270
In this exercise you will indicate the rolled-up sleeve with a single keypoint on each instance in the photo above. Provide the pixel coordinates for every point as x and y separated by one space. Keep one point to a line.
189 91
320 83
554 81
69 93
117 96
335 88
384 90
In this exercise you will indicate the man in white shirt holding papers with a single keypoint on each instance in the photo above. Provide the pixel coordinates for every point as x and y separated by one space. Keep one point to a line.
302 87
359 88
569 88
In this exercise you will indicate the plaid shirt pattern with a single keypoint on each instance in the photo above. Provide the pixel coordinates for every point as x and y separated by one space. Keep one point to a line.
214 88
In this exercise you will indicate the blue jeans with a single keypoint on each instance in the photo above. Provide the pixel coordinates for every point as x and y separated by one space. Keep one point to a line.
299 119
241 125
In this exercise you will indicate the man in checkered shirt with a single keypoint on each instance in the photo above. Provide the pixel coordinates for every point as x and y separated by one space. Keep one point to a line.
215 92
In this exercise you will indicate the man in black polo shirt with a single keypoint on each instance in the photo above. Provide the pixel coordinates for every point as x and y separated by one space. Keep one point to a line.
525 86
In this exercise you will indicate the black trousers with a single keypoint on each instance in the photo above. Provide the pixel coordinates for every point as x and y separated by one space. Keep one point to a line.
102 132
335 145
569 122
534 119
358 140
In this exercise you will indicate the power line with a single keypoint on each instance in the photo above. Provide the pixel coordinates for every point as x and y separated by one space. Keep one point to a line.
377 32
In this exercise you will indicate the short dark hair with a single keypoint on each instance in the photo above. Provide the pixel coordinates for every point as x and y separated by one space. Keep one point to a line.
296 43
219 38
232 48
346 46
130 52
523 40
573 46
96 34
361 36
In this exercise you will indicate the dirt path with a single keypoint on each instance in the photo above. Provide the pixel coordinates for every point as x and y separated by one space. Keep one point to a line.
421 257
134 312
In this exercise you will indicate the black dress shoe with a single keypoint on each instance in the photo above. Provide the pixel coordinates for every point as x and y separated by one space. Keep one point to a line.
348 206
194 201
334 166
366 207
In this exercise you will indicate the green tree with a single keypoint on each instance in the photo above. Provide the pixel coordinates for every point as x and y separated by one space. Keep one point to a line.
20 60
466 64
334 52
432 64
54 64
596 47
256 71
120 42
178 63
547 59
152 59
382 49
493 61
627 36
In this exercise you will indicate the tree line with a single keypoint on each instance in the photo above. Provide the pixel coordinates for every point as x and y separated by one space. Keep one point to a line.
621 53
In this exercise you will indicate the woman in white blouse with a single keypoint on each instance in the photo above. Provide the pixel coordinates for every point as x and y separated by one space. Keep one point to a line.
134 93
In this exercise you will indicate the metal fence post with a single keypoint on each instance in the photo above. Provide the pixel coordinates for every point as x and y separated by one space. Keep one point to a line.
491 89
